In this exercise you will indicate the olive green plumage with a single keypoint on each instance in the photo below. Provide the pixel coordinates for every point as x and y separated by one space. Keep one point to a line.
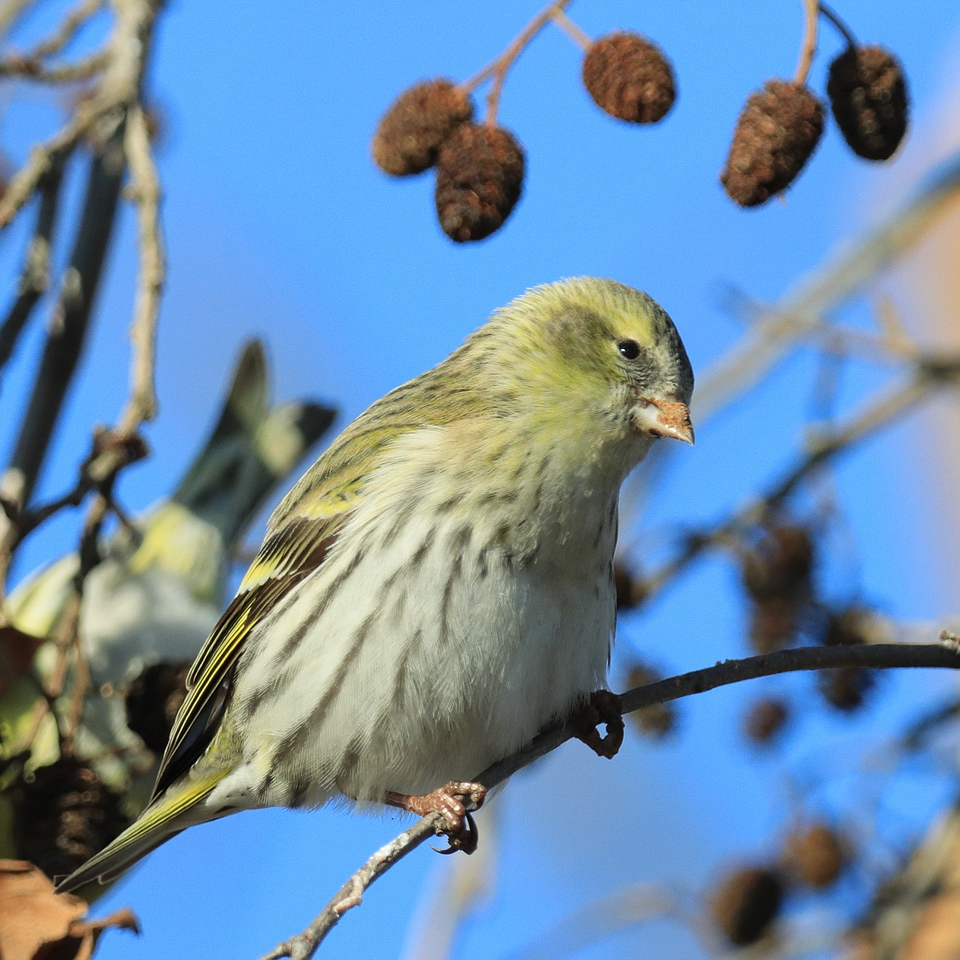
438 585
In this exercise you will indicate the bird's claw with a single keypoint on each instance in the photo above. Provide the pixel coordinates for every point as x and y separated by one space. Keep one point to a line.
607 708
454 801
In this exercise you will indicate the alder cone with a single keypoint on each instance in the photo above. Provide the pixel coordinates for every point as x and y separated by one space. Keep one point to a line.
411 132
64 816
479 180
868 97
629 77
846 688
777 131
657 720
745 903
153 700
816 855
766 719
781 565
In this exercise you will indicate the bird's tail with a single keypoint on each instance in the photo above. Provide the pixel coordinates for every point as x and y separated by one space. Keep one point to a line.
174 811
251 449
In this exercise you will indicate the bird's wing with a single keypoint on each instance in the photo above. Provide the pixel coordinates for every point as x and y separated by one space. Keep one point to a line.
300 534
288 555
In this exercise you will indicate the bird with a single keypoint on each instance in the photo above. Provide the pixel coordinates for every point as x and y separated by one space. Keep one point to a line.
159 588
438 586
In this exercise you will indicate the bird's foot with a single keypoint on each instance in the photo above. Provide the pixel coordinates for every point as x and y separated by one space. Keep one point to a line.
454 801
606 708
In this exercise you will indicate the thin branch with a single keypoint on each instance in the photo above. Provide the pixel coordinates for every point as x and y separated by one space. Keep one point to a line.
30 69
499 68
35 275
839 24
808 48
67 29
68 330
573 30
11 11
844 274
874 656
873 417
145 191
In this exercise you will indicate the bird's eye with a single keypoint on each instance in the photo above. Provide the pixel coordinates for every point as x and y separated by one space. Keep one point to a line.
629 349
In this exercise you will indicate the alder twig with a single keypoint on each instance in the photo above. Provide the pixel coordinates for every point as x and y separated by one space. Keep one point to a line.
67 29
808 48
67 333
930 376
145 192
500 67
874 656
16 65
35 275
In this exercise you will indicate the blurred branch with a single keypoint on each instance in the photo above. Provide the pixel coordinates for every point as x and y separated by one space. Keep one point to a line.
620 910
17 65
35 276
67 334
102 119
875 656
11 11
145 191
827 288
66 30
931 374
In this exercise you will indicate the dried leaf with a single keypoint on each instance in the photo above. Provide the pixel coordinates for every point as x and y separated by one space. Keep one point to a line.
38 924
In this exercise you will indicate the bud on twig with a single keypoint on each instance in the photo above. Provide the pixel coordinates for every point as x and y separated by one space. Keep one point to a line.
775 135
869 100
479 179
629 78
411 132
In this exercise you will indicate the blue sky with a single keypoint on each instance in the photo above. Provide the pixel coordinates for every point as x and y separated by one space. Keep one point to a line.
278 224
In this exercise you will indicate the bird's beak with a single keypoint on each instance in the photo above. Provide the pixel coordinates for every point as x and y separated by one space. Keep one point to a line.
661 418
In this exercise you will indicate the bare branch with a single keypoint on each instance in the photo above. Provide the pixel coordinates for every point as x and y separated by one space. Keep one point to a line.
17 65
68 330
873 417
808 48
35 276
145 191
67 29
499 68
875 656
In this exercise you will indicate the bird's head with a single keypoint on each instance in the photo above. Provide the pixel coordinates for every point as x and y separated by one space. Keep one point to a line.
596 354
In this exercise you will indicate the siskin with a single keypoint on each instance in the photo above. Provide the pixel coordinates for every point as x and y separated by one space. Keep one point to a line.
439 585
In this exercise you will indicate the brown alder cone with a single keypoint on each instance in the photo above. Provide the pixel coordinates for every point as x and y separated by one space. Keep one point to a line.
153 700
777 576
846 688
777 131
413 129
868 96
479 180
766 719
629 77
64 816
657 720
745 902
816 855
